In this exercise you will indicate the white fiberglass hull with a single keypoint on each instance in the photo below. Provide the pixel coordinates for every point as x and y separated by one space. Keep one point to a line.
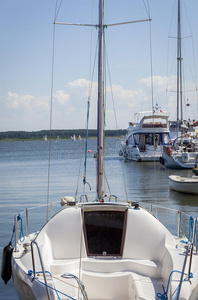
149 253
184 184
149 155
176 161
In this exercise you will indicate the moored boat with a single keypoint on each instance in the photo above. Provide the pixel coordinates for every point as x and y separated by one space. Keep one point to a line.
183 184
187 185
183 152
144 140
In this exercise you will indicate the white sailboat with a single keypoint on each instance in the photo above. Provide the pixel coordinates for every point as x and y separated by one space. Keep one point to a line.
103 249
73 138
145 139
182 154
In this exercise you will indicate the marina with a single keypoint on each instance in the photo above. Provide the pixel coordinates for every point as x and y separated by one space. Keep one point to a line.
79 221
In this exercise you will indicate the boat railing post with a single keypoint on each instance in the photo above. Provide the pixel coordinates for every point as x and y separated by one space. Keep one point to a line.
16 232
179 223
192 248
33 264
183 269
42 267
27 233
150 207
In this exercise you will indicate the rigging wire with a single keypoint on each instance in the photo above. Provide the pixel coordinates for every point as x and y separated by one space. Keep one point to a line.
85 161
110 82
152 94
191 67
57 9
116 123
51 109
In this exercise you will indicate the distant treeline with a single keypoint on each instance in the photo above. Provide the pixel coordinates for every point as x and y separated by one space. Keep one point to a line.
63 134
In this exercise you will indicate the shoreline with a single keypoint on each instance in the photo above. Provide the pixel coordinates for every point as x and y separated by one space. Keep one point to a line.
52 139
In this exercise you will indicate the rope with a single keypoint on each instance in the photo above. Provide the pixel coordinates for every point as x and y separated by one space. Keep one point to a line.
79 172
30 272
86 143
112 96
165 296
57 9
191 225
88 101
152 96
190 235
51 108
21 235
13 231
80 284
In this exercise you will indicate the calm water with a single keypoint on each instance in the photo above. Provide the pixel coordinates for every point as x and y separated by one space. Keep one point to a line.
24 177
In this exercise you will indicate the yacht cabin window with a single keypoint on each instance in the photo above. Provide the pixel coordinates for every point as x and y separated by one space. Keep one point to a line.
165 138
147 138
104 232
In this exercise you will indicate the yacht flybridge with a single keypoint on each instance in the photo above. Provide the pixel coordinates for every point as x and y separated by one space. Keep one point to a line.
145 139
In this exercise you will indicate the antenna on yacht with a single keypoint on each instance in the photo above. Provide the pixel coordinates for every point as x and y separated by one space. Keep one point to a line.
179 70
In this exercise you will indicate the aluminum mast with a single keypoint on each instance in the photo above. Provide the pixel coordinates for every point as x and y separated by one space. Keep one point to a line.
100 141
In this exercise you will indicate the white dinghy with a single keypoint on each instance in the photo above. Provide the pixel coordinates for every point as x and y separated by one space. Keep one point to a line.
102 250
187 185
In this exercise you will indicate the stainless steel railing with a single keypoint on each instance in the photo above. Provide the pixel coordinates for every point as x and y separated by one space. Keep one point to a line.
190 246
42 266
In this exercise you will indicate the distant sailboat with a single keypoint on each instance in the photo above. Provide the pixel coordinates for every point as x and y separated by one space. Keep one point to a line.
73 138
57 139
44 138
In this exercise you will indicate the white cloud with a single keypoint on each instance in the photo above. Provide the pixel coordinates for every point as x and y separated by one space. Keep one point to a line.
79 83
61 97
29 112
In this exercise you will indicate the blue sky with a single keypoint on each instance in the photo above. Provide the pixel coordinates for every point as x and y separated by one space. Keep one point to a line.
26 31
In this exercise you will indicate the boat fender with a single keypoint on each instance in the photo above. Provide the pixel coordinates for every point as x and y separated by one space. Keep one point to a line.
120 153
161 160
125 154
168 150
6 268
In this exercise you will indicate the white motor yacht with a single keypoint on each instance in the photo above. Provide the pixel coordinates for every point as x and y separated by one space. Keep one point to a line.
144 140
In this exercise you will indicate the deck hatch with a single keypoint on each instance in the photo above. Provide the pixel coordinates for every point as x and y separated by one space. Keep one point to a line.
104 232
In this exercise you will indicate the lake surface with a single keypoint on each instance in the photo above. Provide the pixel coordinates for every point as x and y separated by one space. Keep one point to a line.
24 183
